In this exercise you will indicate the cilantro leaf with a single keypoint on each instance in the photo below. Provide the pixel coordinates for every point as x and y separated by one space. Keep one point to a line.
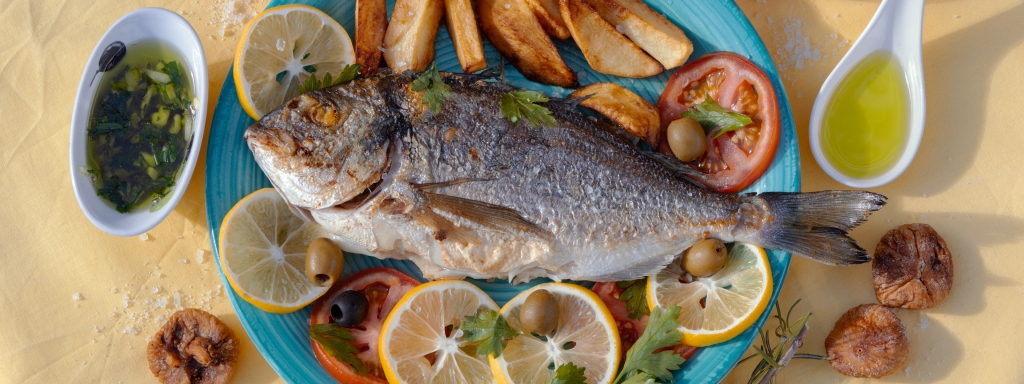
337 342
436 91
569 373
662 332
349 73
715 118
635 297
490 329
517 105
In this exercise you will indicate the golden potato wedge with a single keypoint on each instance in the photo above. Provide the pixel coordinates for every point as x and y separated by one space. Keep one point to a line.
550 17
649 29
625 108
371 22
515 32
409 40
607 50
461 23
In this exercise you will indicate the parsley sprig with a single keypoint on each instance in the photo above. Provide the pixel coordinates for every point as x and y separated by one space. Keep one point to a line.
490 329
435 91
337 342
715 118
518 105
569 373
349 73
641 360
634 294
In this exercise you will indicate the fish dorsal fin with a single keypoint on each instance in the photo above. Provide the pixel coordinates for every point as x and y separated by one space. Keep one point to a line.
486 214
444 229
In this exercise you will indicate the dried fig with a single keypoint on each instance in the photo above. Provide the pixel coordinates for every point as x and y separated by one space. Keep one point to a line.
912 267
193 347
868 341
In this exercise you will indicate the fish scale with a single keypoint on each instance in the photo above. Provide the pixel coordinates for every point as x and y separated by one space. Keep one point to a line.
577 200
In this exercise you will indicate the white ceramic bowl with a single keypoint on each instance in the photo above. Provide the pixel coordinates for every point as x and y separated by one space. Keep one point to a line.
139 25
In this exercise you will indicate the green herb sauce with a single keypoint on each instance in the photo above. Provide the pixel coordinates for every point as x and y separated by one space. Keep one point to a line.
141 127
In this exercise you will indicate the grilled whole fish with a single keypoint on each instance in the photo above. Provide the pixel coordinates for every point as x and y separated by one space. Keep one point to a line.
466 193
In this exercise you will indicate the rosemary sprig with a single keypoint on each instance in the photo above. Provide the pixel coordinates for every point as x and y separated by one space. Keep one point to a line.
773 358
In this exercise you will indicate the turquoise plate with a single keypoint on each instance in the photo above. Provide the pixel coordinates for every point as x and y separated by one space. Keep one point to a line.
231 174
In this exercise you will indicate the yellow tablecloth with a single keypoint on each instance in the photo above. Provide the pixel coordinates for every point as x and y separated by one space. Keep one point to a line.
77 305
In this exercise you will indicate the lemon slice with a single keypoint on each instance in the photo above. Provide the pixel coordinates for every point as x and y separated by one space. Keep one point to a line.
419 343
732 298
278 48
586 335
263 253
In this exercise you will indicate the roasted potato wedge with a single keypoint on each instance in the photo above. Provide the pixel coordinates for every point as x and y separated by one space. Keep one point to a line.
550 17
624 107
371 22
607 50
515 31
461 23
649 29
409 40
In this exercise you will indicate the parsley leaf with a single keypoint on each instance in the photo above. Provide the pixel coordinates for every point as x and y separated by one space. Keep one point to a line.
349 73
569 373
523 104
635 297
490 329
337 342
715 118
641 378
436 91
662 332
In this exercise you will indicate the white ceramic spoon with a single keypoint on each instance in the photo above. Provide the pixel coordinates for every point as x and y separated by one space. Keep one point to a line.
896 28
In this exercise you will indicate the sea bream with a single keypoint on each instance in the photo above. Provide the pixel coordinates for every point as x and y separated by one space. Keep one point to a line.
467 193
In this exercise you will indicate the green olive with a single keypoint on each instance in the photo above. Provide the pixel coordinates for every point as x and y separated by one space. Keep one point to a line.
539 313
705 258
686 139
324 261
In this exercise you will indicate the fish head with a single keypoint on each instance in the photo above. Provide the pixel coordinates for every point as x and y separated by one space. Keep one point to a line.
325 147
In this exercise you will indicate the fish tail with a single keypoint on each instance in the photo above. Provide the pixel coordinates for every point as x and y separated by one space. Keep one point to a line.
815 225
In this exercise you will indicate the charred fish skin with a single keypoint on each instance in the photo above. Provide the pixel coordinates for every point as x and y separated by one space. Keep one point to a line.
466 193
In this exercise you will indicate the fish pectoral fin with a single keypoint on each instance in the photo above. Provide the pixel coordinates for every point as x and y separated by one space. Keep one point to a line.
444 229
677 167
442 184
486 214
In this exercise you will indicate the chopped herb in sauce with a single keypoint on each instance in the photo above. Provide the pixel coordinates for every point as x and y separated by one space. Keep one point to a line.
140 128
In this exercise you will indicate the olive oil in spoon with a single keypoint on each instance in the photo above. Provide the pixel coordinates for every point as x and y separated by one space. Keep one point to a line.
864 130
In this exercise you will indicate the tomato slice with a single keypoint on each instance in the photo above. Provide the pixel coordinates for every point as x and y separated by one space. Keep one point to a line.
736 159
383 288
629 329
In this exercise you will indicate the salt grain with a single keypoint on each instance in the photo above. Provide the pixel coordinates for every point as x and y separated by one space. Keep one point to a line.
280 44
155 290
183 261
507 5
76 296
144 237
924 323
199 256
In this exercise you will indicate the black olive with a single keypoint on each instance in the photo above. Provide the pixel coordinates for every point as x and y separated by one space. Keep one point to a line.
349 308
112 55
